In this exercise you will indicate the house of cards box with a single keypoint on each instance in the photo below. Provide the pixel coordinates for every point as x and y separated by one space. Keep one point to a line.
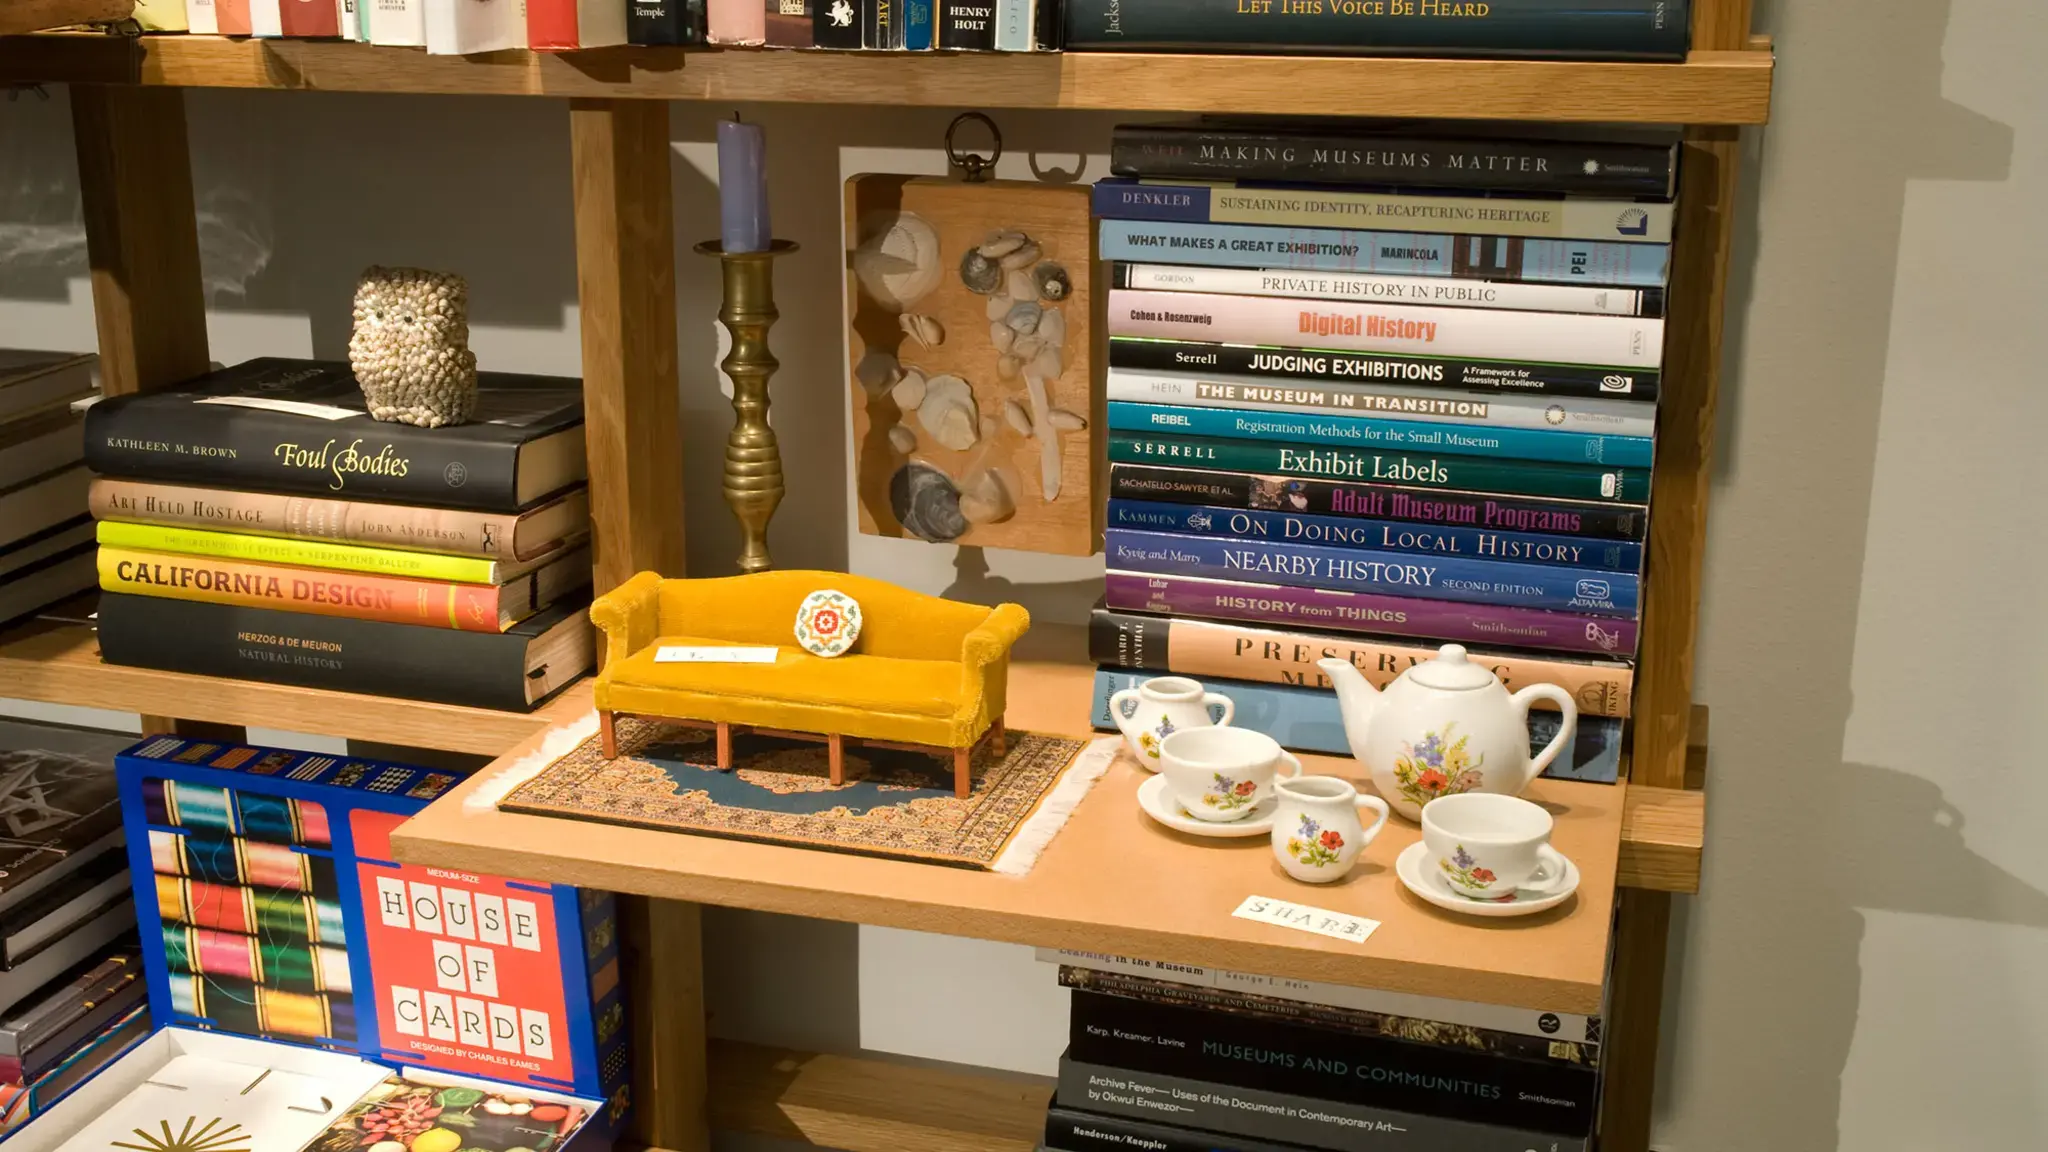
269 905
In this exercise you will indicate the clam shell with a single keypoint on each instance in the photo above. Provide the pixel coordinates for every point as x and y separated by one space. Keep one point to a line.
980 273
1002 336
985 499
876 372
1017 416
949 412
1009 367
909 391
926 503
1053 283
999 305
1002 245
1019 285
926 330
1066 421
1052 327
903 439
898 262
1023 257
1024 317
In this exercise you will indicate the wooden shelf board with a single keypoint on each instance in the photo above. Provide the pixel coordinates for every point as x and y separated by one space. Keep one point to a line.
1663 833
1111 881
864 1104
1730 87
59 663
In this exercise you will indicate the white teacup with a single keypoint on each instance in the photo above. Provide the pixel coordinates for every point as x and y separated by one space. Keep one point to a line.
1222 773
1486 845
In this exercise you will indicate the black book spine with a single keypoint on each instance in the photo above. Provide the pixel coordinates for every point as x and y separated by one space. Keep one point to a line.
665 22
1126 640
61 1045
1050 28
1572 29
967 25
1321 1064
1456 373
1568 166
1072 1130
837 23
1376 501
442 665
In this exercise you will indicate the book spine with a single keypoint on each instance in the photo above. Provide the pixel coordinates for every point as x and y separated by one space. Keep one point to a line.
1412 469
1574 29
266 18
308 19
1521 1021
1484 582
1321 1064
917 24
1332 1125
401 22
1470 1043
1610 341
790 23
1439 291
881 25
475 26
1072 1130
1501 377
472 669
1583 167
440 530
1206 649
229 446
1554 445
1338 611
1014 22
665 22
1552 219
162 15
1422 253
1375 535
298 553
1318 398
232 18
201 20
967 25
736 22
466 607
834 24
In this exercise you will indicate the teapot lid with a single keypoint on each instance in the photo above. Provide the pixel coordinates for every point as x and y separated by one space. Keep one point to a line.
1451 671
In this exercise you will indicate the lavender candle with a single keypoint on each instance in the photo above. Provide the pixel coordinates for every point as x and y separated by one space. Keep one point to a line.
742 187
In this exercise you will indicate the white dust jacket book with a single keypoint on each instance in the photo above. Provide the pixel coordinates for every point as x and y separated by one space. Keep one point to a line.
400 22
460 27
201 18
266 18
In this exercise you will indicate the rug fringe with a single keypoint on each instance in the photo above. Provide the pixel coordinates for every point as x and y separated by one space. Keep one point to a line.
559 742
1031 838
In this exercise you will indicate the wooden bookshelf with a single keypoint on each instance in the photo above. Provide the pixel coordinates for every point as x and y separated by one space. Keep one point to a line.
59 663
1710 87
870 1104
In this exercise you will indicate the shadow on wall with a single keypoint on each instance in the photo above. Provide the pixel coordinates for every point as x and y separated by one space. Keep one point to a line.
1765 990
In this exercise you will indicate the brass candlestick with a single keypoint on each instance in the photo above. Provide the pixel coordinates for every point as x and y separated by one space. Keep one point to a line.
753 464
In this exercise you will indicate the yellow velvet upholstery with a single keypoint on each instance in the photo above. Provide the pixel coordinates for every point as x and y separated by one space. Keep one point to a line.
924 671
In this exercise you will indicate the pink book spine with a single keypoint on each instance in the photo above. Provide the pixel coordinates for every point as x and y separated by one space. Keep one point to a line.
1410 330
736 22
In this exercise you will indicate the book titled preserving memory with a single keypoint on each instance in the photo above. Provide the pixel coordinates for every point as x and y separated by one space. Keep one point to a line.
1570 29
1365 430
1469 374
514 670
1242 202
1400 154
299 426
1425 252
1395 402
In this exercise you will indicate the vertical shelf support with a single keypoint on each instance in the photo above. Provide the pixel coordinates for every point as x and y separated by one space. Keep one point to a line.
626 283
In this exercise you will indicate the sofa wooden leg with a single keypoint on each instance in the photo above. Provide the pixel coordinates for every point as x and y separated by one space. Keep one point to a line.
996 740
607 736
835 755
724 746
963 772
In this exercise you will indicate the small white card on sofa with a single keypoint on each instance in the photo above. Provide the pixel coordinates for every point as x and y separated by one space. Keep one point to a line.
682 654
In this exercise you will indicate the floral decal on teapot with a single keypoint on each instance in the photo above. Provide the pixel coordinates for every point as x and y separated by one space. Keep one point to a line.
1149 741
1461 869
1227 794
1438 766
1313 845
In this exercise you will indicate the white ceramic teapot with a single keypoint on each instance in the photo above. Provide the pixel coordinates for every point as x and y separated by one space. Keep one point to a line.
1443 727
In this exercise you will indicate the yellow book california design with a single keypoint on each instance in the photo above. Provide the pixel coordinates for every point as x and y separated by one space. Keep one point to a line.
306 553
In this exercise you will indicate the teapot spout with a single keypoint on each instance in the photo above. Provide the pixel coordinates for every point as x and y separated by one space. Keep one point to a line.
1357 699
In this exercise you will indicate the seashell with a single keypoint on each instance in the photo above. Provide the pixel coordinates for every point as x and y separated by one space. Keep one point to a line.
1066 421
979 273
926 330
986 499
926 503
1017 416
999 305
1002 336
1023 257
1048 446
1009 367
1024 318
1052 327
1028 346
903 439
1019 285
949 412
909 391
1047 363
877 371
1052 280
1002 244
898 264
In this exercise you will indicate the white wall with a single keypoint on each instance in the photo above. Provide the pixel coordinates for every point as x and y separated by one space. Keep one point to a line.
1861 971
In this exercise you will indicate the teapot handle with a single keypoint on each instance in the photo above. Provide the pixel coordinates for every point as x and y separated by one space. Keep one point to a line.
1565 731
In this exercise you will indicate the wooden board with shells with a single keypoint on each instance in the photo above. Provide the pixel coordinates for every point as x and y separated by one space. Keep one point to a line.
970 345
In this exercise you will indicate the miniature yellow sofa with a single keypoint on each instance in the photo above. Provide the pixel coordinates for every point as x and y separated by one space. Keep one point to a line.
925 673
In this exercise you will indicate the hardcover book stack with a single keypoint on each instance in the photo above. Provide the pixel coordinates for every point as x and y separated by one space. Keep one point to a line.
45 534
72 997
1403 399
1174 1058
257 523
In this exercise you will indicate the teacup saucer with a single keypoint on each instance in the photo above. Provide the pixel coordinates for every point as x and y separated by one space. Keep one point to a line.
1412 866
1158 802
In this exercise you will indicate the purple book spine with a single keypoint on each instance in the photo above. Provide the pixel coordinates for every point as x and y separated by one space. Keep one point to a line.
1357 612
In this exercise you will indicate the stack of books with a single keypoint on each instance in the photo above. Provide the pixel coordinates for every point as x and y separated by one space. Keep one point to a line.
45 534
1360 443
257 523
1176 1058
72 997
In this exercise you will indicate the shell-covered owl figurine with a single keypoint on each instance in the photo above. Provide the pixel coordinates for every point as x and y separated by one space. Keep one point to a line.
410 346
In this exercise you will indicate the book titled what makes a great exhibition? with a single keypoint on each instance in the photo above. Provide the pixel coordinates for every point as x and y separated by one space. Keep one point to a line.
1569 29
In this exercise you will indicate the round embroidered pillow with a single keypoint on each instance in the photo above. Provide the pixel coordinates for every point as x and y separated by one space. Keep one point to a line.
827 623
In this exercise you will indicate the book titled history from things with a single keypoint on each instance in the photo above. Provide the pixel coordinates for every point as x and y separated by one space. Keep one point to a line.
280 425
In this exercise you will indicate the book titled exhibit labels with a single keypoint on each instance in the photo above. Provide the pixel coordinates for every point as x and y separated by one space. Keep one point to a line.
1317 398
1425 252
1616 341
1567 29
280 425
1553 218
1440 291
1558 445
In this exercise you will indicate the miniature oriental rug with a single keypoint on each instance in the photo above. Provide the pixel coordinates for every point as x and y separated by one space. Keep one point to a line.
896 804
